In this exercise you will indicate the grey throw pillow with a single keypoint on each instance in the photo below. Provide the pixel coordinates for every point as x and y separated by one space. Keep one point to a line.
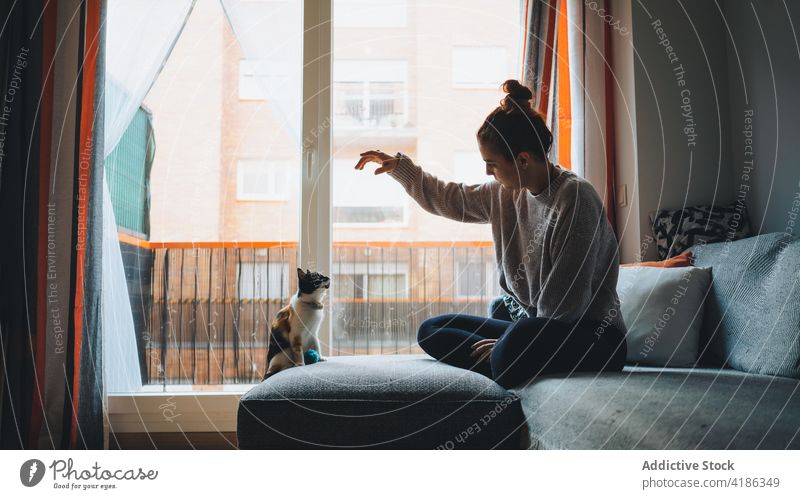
663 311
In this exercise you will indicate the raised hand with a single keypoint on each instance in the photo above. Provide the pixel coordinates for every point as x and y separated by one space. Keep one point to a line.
388 163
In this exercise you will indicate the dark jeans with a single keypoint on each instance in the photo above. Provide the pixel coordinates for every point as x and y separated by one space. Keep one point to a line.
525 348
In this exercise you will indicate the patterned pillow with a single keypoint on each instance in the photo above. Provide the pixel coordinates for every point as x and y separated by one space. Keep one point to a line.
678 230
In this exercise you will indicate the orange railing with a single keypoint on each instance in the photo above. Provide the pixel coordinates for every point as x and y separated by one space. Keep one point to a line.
206 306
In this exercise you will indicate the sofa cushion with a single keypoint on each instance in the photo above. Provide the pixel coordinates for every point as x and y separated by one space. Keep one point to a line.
662 408
752 317
398 401
663 311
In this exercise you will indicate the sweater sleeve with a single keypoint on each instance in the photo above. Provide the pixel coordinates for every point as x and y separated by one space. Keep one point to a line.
453 200
566 292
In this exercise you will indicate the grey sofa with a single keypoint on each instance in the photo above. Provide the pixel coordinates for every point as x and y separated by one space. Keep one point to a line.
744 392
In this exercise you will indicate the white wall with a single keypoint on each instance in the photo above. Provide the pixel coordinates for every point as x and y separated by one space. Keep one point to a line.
681 156
741 59
629 228
763 69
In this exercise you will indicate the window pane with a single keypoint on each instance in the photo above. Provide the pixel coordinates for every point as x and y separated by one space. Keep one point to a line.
469 167
214 180
260 281
479 66
363 202
370 13
370 93
262 180
423 89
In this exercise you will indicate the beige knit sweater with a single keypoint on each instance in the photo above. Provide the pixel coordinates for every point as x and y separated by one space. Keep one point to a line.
556 252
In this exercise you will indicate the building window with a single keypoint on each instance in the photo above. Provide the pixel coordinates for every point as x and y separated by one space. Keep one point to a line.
370 13
371 93
480 67
366 199
262 180
469 167
362 281
476 279
263 280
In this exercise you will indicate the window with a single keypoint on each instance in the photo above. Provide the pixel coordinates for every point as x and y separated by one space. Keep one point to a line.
370 281
363 199
262 180
479 66
263 280
370 93
475 279
469 167
370 13
238 126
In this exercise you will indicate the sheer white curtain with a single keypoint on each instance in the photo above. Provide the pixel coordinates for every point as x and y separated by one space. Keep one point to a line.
576 35
140 35
272 50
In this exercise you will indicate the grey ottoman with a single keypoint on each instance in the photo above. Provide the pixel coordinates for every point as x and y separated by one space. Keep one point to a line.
386 402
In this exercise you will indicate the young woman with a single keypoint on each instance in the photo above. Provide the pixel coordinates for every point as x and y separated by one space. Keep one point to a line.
556 252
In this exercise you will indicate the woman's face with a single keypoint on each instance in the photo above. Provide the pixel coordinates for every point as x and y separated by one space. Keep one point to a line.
503 170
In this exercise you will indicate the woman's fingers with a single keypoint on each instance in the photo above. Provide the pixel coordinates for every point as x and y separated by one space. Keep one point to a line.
365 158
482 342
376 156
482 347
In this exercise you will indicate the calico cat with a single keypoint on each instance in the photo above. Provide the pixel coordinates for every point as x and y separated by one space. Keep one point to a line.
295 327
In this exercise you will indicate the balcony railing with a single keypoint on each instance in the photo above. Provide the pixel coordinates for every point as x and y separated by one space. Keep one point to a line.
209 306
379 105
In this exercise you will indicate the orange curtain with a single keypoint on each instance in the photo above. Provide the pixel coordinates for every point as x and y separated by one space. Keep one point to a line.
563 106
546 62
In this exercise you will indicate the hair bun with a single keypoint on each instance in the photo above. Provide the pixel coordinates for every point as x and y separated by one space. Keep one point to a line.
518 96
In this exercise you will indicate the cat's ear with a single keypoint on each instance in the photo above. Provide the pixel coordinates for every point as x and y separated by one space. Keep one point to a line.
300 273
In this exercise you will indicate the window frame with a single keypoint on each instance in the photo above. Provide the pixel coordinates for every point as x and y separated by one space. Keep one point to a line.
212 410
